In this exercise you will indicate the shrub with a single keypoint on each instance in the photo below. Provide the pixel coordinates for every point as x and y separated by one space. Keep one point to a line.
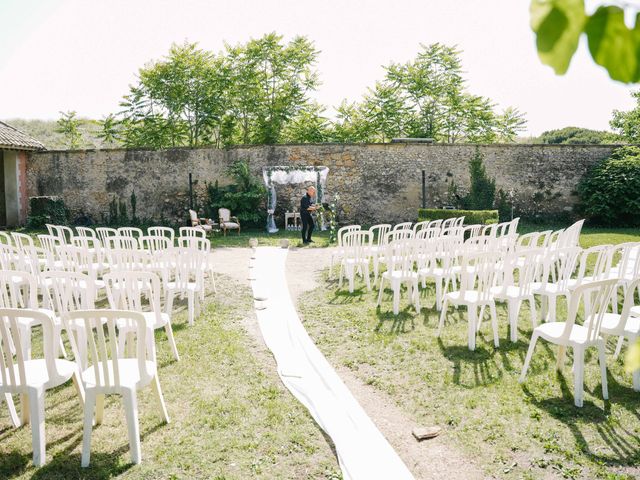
44 210
482 191
610 191
471 217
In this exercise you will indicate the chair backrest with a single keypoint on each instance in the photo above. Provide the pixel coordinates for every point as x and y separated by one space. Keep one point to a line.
120 242
559 264
403 226
128 259
193 216
527 241
192 232
401 254
134 290
459 222
131 232
5 238
70 291
357 245
187 267
427 233
50 245
629 301
400 234
104 233
224 214
481 268
420 226
448 222
379 233
103 348
490 230
598 297
471 231
22 240
435 223
624 260
155 243
86 232
168 232
594 263
199 243
10 258
18 289
13 360
343 230
527 263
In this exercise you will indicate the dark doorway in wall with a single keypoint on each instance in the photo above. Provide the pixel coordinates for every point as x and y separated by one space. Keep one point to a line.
3 205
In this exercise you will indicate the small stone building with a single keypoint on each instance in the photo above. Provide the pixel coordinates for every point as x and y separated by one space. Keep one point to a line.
14 148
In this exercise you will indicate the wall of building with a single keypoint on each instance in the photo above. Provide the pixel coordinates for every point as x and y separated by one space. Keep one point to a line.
376 182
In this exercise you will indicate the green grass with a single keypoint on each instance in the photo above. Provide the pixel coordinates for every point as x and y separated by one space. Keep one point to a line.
510 430
231 418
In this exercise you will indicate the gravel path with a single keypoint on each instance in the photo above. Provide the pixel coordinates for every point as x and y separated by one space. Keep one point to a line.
430 459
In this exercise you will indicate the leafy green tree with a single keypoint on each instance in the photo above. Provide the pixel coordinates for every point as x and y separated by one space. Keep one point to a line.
351 124
559 24
385 111
109 131
482 190
309 125
577 136
68 125
627 124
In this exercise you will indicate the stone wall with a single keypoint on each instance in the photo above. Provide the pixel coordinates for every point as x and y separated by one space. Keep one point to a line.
376 182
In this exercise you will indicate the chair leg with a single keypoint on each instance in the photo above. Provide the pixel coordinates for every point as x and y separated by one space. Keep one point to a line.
24 408
213 281
416 295
13 415
89 407
494 324
513 307
443 315
190 301
534 314
396 297
77 383
472 313
380 292
562 350
578 375
36 410
366 278
439 305
158 391
99 402
131 409
527 360
602 359
172 341
618 347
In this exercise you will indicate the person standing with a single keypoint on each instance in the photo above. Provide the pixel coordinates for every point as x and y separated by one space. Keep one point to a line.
306 207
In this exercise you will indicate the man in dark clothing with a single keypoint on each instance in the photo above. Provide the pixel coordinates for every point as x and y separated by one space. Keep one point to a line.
306 207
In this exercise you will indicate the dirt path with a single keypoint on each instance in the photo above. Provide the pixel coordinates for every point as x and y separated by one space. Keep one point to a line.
431 459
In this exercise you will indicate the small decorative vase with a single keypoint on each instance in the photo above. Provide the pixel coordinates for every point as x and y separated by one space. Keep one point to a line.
253 242
284 243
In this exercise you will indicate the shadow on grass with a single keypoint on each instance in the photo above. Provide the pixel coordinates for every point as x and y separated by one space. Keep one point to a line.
622 441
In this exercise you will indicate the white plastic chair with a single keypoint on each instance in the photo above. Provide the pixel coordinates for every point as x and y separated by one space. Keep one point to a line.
162 232
403 226
127 290
474 293
32 378
131 232
192 232
579 337
399 258
86 232
104 233
338 252
357 248
186 277
625 325
111 373
155 243
64 233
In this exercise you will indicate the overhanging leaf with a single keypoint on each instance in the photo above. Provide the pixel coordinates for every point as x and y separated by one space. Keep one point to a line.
558 25
612 44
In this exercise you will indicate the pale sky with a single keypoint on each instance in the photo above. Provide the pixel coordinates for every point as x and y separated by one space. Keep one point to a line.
82 54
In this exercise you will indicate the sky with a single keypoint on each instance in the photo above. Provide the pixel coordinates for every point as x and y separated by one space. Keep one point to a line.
61 55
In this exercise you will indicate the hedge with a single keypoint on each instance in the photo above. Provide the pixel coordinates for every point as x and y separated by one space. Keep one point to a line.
44 210
471 217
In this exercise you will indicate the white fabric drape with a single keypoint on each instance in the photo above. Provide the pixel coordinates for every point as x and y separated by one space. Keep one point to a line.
363 452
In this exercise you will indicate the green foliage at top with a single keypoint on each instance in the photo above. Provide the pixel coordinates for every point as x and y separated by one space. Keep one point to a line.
627 124
246 94
558 25
245 197
46 131
68 126
426 97
482 191
578 136
609 191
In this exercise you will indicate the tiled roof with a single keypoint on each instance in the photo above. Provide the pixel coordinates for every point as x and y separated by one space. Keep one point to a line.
13 138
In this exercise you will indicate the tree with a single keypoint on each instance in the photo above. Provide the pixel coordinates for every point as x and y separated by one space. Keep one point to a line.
351 125
559 24
68 125
109 131
308 126
385 111
577 136
482 190
627 124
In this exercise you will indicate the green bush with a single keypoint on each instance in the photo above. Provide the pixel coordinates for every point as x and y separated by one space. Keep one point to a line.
471 217
482 191
610 191
44 210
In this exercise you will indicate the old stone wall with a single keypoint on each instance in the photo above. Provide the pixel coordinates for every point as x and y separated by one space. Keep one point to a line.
376 182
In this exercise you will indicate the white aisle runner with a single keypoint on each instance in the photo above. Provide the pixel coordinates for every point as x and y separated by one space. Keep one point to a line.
363 452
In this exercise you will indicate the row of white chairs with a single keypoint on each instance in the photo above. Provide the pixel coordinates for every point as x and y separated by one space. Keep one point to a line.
498 266
56 288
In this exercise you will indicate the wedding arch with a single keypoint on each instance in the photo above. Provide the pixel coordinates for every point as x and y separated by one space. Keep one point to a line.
284 175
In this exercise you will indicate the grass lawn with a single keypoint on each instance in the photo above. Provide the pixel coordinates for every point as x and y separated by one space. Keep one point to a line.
510 430
231 418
